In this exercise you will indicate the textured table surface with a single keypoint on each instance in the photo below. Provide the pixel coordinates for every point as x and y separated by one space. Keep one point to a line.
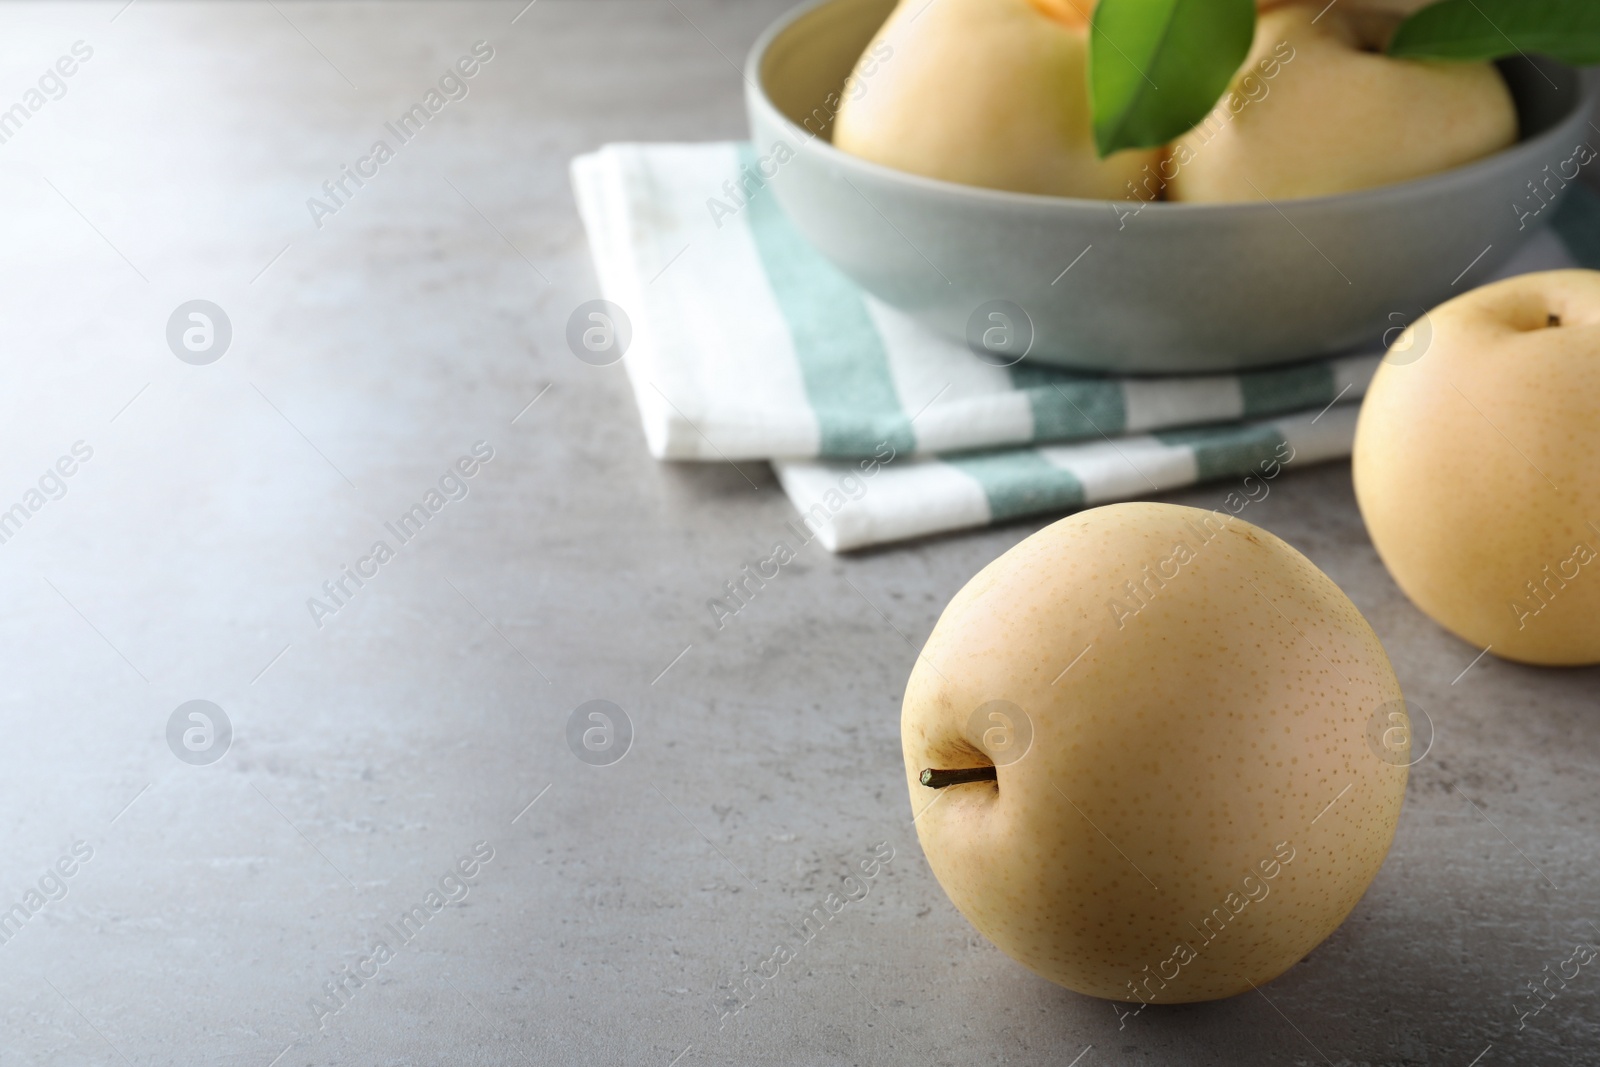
419 718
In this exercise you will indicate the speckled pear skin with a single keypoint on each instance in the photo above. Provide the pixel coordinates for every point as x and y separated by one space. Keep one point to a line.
1474 466
991 93
1200 805
1337 115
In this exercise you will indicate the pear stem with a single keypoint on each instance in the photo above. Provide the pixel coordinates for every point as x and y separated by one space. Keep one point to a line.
935 779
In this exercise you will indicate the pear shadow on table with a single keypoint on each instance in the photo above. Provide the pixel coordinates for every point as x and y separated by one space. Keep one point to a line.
1579 682
1422 971
1342 1004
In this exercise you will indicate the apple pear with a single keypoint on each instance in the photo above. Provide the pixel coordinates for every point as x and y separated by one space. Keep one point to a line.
983 92
1475 466
1317 109
1142 754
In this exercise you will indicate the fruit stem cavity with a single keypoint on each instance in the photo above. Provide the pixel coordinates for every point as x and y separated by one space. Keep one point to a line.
936 779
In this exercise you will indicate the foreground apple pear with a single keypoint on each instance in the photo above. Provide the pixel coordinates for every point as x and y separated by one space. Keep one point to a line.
1476 472
1159 726
1335 115
983 92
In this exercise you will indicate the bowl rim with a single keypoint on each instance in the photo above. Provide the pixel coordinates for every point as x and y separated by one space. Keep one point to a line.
1425 187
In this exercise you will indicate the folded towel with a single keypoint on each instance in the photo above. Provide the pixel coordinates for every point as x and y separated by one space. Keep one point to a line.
746 344
850 505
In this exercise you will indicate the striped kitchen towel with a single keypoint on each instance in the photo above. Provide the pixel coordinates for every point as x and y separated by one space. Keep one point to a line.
744 343
893 497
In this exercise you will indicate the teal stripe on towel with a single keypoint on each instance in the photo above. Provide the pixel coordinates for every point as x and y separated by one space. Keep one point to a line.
1020 483
1577 223
842 359
1065 407
1273 392
1221 452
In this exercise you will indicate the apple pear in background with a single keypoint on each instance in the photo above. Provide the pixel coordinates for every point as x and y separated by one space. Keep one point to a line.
1477 466
983 92
1338 115
1185 796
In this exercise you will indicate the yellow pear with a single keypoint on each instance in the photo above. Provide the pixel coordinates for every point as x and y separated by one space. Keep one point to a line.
983 92
1476 471
1316 109
1179 753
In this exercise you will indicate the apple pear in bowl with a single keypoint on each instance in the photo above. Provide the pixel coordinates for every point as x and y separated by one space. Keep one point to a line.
1141 756
1339 115
942 105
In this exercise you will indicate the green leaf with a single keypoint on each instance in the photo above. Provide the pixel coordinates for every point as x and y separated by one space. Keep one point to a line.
1157 67
1568 30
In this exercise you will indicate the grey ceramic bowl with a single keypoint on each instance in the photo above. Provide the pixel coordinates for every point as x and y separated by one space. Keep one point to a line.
1179 287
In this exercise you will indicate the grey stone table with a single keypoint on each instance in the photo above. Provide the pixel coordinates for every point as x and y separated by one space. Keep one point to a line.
176 911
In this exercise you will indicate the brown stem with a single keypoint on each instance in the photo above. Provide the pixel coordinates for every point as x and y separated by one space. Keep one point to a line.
935 779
